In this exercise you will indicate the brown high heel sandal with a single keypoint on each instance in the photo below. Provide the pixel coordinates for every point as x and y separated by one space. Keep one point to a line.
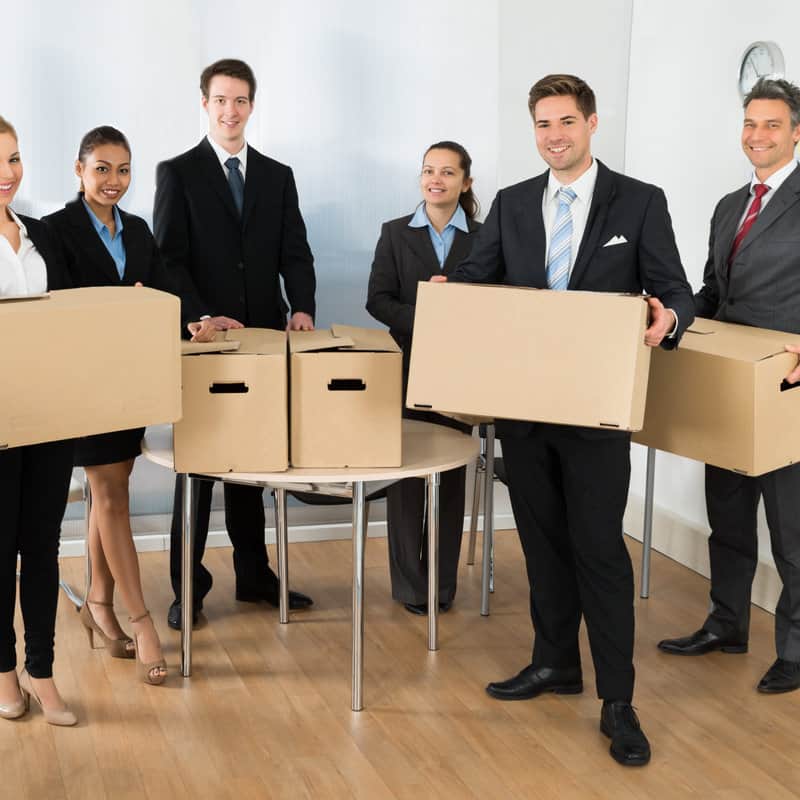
145 671
117 648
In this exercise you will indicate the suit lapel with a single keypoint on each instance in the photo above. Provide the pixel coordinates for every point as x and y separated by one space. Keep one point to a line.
530 228
726 233
215 176
787 195
91 243
254 180
460 249
419 242
136 267
604 191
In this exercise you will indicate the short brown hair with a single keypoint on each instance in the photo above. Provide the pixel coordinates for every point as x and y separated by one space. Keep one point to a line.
7 127
233 68
560 86
776 89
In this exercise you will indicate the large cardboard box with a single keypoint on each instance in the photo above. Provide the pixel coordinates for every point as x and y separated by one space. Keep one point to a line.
346 398
235 415
83 361
575 358
721 398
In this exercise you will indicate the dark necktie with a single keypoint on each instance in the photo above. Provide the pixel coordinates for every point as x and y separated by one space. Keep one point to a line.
236 182
760 190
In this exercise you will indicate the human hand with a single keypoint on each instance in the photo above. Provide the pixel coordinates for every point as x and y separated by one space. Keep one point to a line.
662 321
300 321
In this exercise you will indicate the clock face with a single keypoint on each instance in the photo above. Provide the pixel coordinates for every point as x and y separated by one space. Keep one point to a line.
760 59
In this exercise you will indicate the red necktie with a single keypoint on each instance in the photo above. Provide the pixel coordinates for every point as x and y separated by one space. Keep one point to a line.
760 190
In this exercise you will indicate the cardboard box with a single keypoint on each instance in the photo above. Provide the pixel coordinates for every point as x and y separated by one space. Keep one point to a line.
346 398
719 398
85 361
235 415
574 358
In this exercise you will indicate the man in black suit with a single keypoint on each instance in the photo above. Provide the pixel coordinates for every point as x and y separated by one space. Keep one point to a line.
228 218
579 226
752 277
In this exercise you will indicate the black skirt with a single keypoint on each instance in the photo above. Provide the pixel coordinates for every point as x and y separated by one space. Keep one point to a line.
108 448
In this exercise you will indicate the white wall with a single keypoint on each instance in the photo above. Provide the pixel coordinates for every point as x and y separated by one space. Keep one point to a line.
684 123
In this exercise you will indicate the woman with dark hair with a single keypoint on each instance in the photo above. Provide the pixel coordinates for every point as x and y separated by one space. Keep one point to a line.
105 246
431 241
34 479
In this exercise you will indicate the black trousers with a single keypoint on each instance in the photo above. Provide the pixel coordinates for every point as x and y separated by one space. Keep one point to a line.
732 502
244 519
34 484
568 488
407 527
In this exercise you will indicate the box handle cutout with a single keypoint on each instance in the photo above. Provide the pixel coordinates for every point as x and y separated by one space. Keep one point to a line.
347 385
785 385
422 405
230 387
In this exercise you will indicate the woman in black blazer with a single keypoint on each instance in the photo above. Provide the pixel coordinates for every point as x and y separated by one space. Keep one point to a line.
414 248
34 479
105 246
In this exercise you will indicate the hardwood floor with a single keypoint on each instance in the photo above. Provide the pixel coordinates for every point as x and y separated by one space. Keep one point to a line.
266 713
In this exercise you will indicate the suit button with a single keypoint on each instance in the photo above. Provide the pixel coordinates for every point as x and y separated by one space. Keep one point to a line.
731 301
240 265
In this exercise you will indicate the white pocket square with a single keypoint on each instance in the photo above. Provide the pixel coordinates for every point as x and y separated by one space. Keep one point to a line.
615 240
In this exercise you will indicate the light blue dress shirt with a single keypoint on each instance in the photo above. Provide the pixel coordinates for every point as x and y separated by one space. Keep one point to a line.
442 242
114 245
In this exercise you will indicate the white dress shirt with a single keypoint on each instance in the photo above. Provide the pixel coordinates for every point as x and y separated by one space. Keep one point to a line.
223 155
22 272
584 189
774 182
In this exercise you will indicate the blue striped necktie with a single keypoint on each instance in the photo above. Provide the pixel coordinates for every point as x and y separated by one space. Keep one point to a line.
236 182
561 242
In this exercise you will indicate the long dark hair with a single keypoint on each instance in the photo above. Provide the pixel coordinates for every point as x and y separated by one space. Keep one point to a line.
467 199
97 137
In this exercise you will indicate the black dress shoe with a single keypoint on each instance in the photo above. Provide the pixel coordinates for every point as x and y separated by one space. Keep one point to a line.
175 614
421 609
270 593
533 681
629 745
782 676
701 642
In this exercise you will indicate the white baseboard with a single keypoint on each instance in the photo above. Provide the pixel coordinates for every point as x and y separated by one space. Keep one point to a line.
687 544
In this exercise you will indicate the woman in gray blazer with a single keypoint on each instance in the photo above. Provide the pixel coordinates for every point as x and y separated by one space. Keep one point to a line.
431 241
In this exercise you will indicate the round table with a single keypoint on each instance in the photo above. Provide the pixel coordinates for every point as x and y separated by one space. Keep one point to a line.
428 450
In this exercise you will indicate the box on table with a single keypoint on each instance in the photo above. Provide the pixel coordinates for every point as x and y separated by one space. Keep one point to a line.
721 398
346 398
78 362
235 416
573 358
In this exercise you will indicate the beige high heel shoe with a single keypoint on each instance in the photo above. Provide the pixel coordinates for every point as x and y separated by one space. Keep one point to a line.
63 717
13 710
117 648
149 673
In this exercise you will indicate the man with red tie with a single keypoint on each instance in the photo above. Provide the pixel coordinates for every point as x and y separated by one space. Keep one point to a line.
752 277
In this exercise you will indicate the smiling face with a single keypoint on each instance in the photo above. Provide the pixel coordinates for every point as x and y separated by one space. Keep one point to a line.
563 136
768 136
442 180
229 107
106 175
10 169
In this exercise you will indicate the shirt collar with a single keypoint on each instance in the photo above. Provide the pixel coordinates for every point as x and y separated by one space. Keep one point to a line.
19 223
101 226
223 155
583 186
458 220
777 178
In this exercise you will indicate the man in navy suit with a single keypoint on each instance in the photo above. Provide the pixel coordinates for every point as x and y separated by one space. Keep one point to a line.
579 226
228 217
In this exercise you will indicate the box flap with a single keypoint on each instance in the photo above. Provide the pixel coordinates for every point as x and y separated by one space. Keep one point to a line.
367 339
241 341
739 342
322 339
219 345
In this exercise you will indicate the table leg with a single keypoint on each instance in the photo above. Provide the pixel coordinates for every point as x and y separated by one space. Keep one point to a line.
487 576
187 576
647 533
359 543
433 561
282 542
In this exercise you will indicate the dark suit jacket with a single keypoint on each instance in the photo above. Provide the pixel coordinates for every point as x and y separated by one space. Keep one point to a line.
763 287
58 276
403 257
510 249
231 266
